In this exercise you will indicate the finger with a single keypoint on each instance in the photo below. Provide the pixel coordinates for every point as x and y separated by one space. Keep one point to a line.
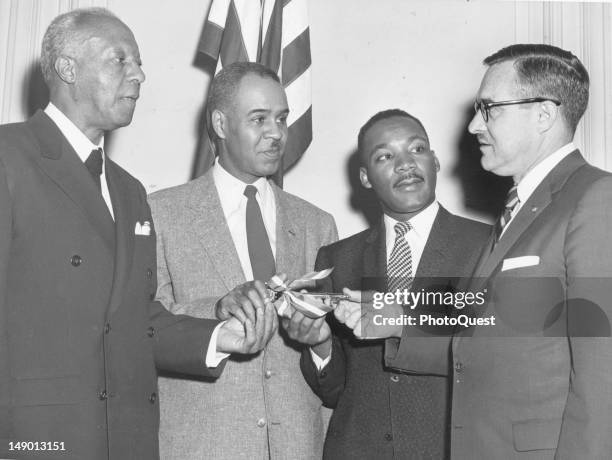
262 290
354 296
259 328
249 336
255 298
353 318
270 323
244 307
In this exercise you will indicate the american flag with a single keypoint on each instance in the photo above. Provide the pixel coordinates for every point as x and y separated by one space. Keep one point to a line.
274 33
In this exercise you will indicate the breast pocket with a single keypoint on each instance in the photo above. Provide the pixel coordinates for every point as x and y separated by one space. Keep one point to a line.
536 434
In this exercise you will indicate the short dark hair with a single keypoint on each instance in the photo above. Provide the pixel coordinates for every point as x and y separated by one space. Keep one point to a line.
548 71
380 116
225 85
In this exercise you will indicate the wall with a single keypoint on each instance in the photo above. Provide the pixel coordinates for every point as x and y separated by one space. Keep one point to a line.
422 56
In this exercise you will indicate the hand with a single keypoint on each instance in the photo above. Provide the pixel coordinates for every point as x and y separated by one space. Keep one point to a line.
248 337
243 301
313 332
358 314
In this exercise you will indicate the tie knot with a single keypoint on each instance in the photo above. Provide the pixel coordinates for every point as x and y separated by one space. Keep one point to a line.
512 199
401 228
94 162
250 191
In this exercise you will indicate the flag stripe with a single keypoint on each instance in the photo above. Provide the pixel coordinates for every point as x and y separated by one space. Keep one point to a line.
210 41
295 20
232 46
298 139
298 96
271 49
296 58
248 13
218 12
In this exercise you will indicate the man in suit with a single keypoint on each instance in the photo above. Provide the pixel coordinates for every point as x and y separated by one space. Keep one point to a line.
230 226
80 338
381 413
537 385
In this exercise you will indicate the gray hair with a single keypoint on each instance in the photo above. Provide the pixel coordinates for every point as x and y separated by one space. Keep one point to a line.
66 33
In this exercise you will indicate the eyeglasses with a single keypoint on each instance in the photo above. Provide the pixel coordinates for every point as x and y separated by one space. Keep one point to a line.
484 107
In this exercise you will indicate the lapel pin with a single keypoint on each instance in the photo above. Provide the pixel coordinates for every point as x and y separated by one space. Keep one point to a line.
534 209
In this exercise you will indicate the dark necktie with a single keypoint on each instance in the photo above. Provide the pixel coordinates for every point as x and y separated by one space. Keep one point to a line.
511 201
260 251
399 268
94 165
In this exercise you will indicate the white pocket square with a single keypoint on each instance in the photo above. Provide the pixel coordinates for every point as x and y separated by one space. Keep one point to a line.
143 229
520 262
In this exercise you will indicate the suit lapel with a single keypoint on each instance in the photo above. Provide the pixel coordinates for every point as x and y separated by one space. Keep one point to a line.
533 207
62 164
123 208
374 259
287 234
437 248
209 222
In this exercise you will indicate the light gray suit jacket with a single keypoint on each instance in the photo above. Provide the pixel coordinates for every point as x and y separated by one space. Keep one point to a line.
261 404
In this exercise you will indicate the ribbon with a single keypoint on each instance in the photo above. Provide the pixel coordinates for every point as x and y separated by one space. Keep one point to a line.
312 305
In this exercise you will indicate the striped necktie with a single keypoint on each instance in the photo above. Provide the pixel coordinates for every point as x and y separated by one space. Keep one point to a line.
399 267
511 201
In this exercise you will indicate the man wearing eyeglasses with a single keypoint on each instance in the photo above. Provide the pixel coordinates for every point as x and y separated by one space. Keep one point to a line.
539 383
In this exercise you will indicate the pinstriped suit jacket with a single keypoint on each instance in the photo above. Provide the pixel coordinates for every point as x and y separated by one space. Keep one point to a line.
198 264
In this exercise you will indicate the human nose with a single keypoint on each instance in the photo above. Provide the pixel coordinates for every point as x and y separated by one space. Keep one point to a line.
477 124
275 129
404 161
136 73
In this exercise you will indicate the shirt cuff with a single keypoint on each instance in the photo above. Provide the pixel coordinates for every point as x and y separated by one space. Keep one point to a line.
319 362
213 357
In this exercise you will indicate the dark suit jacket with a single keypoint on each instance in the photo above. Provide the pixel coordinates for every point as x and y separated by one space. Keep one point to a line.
538 385
80 339
380 413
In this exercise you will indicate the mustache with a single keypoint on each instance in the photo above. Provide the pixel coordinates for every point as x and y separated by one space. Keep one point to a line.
411 175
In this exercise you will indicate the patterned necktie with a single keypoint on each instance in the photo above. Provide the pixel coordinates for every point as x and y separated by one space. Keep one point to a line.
511 201
94 165
399 267
260 251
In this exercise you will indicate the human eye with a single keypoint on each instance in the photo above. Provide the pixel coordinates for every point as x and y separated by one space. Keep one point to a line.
382 156
282 120
258 119
419 148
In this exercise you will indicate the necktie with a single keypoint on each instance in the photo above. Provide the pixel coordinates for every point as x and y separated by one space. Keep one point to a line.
260 251
511 201
94 165
399 267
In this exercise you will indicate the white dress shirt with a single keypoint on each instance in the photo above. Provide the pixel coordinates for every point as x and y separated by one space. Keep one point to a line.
535 176
416 238
233 204
81 145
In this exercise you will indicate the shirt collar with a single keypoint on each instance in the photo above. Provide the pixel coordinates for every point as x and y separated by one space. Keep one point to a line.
421 223
231 189
537 174
75 137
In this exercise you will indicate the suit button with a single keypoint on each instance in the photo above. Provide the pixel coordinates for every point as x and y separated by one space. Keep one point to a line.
103 395
389 437
107 328
268 374
261 422
151 331
323 374
153 398
76 260
459 366
395 378
149 273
